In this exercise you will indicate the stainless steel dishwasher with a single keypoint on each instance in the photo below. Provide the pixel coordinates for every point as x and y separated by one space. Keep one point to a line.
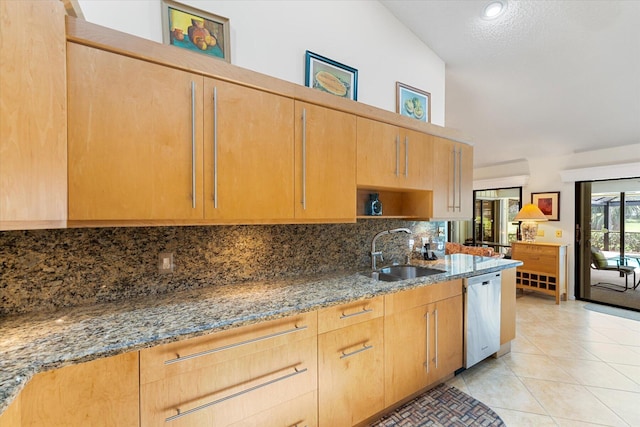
481 317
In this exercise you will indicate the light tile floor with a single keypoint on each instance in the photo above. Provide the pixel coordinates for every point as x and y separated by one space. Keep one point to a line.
568 366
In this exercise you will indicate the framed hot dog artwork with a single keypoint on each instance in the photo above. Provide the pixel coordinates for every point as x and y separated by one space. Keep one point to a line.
330 76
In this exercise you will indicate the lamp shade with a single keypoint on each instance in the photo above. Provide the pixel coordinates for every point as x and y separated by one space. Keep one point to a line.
530 212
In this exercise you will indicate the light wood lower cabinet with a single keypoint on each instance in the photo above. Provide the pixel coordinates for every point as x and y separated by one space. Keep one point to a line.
102 392
338 366
544 269
351 374
508 306
423 338
230 376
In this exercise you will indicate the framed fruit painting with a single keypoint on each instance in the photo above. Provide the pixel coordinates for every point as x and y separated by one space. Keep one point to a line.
195 30
330 76
412 102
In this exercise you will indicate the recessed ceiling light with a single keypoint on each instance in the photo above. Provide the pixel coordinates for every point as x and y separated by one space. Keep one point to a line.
494 9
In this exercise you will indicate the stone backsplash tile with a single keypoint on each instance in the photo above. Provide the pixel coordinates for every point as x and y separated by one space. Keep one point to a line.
51 269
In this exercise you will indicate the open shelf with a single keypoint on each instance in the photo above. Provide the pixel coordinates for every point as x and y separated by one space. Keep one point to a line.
397 204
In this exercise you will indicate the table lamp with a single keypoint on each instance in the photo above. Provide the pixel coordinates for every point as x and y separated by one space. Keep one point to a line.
530 215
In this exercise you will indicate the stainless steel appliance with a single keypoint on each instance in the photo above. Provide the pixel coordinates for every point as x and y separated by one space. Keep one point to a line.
481 317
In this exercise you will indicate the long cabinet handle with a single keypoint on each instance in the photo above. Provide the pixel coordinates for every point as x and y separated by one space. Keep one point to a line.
435 315
406 156
357 313
181 414
426 363
452 202
397 155
230 346
304 158
460 179
215 148
353 353
193 145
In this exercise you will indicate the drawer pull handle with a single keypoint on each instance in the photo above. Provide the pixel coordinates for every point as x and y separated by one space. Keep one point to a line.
360 350
358 313
181 414
230 346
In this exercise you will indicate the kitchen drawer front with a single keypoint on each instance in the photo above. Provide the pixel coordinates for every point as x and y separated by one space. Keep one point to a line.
299 412
332 318
168 360
232 390
351 373
540 263
412 298
523 249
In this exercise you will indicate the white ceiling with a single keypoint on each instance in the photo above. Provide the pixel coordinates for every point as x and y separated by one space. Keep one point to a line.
546 77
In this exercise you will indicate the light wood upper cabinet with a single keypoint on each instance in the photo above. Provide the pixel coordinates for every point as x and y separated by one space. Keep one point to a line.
452 180
248 153
33 131
102 392
423 338
391 157
325 158
135 139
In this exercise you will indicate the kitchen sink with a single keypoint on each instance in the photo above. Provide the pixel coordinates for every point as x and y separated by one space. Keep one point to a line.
400 272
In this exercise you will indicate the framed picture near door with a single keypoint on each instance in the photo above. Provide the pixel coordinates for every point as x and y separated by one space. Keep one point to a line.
548 203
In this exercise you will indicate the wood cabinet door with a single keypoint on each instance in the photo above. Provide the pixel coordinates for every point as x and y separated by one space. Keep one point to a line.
103 392
350 374
248 153
405 353
452 180
134 140
325 165
380 162
508 306
446 334
33 119
418 152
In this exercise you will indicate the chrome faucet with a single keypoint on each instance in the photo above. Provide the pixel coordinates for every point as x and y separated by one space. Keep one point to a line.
374 253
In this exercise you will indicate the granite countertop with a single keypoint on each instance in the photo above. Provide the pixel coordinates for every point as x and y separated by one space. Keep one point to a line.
38 342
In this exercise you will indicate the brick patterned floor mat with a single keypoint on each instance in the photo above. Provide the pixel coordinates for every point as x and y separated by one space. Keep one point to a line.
444 406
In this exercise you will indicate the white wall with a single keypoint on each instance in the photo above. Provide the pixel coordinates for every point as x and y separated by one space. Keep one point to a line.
544 175
271 37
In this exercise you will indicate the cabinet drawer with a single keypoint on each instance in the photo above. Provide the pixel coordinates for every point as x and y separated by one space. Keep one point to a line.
299 412
540 263
168 360
351 373
406 300
349 314
234 389
523 249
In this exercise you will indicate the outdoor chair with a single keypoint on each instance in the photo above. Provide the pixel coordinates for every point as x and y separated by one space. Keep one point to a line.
600 262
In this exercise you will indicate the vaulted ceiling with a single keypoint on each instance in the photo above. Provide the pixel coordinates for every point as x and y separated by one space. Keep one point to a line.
546 77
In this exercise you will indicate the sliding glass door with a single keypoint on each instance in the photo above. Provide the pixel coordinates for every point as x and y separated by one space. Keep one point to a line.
608 242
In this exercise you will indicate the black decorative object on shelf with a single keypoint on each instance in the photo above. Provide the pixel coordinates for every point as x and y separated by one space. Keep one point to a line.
373 205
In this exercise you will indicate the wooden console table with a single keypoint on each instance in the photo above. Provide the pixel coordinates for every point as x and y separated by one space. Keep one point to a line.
544 269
